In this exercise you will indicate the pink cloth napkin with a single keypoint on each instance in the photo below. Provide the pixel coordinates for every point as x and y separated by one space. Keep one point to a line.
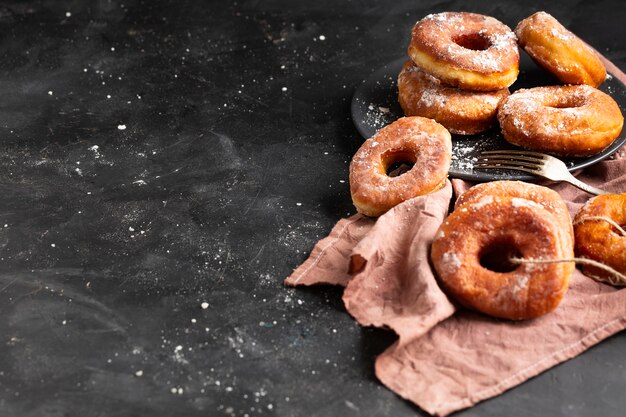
447 358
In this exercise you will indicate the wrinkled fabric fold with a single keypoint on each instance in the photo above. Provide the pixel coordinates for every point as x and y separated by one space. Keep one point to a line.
329 259
470 357
397 287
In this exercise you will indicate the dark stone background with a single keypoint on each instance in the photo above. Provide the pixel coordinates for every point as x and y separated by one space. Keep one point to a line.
232 165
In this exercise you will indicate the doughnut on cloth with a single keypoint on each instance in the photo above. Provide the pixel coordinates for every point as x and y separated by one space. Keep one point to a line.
446 358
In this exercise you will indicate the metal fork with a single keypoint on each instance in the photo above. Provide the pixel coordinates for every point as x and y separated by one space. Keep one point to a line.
534 163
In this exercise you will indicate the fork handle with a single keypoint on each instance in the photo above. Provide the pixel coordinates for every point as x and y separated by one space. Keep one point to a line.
585 187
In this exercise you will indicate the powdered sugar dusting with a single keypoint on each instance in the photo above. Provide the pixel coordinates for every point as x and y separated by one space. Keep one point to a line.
451 261
377 116
522 202
463 156
431 98
443 17
488 199
521 284
561 34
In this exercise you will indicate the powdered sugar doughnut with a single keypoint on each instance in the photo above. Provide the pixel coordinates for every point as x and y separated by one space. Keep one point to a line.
559 51
576 120
466 50
460 111
416 140
471 250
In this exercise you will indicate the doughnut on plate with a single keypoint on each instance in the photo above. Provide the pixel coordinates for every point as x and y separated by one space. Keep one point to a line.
375 104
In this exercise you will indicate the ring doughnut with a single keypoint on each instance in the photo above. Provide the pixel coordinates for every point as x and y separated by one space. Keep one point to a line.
466 50
549 199
574 120
416 140
559 51
598 239
471 241
460 111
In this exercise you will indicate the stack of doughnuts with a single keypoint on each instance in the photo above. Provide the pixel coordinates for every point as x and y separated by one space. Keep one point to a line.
492 225
460 67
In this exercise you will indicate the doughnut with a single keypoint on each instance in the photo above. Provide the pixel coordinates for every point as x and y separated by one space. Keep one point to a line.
549 199
419 141
470 255
574 120
466 50
598 239
559 51
460 111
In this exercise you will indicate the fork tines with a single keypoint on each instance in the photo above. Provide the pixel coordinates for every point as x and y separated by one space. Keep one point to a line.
536 163
514 153
526 161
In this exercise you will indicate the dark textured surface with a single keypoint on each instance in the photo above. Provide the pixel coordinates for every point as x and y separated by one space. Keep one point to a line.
232 164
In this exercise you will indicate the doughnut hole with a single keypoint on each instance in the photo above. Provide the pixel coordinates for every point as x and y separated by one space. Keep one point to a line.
473 41
496 256
398 162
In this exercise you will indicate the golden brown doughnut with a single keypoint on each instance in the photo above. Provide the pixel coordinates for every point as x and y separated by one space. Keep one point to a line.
559 51
473 244
460 111
549 199
466 50
598 239
575 120
417 140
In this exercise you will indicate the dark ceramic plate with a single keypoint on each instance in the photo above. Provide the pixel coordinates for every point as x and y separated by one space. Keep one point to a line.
375 104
